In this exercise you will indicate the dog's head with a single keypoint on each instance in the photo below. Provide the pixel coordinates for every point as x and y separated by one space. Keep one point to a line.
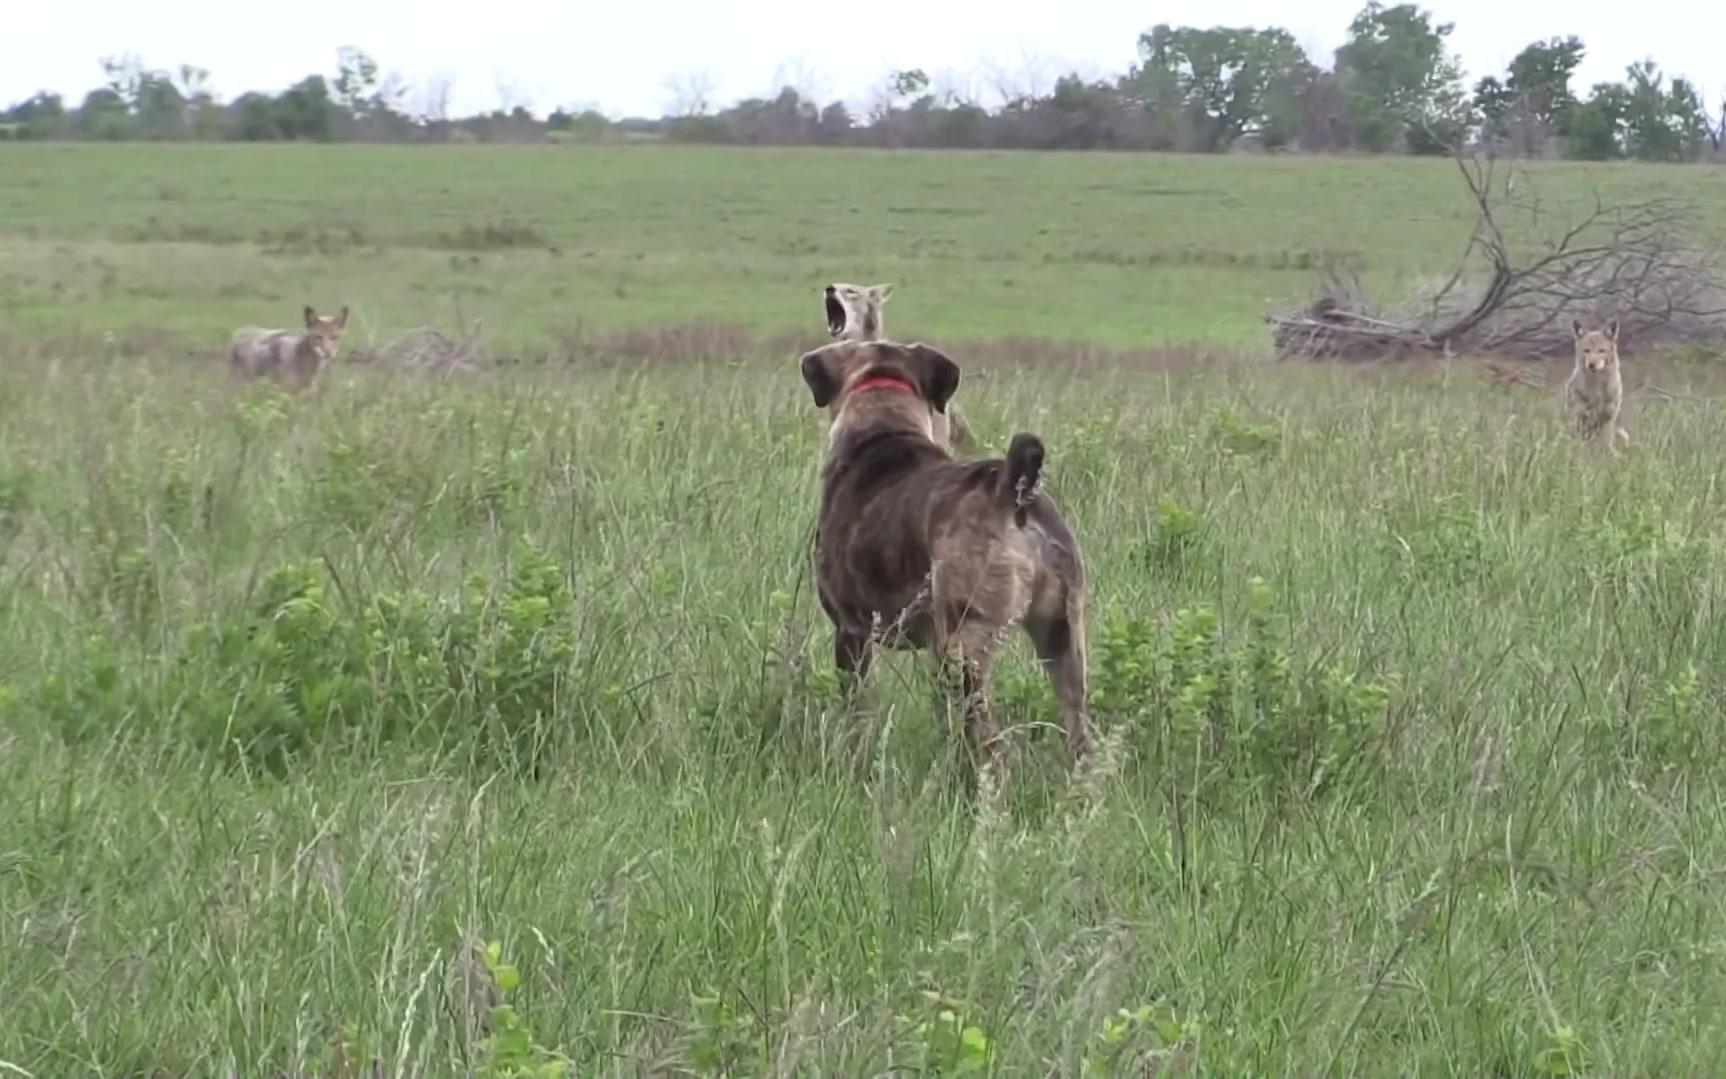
1596 350
325 330
854 311
881 383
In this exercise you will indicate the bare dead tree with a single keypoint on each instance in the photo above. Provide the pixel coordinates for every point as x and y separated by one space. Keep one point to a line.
799 74
954 88
510 93
427 349
1526 271
435 97
691 94
1715 127
1014 86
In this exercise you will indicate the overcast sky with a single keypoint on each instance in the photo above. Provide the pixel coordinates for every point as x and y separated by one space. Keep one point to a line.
618 56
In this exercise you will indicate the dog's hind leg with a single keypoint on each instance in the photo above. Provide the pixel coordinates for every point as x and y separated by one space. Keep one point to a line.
1060 644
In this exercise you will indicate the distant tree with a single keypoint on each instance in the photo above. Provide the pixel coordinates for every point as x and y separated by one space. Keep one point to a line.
1715 128
435 98
1402 86
1534 101
252 118
691 94
1661 122
1688 118
1225 81
41 116
833 126
160 107
1596 129
1495 104
356 82
589 124
959 123
103 116
203 115
1539 78
306 111
123 73
785 119
910 83
1322 111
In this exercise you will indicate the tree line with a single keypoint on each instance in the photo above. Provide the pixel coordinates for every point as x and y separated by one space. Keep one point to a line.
1392 87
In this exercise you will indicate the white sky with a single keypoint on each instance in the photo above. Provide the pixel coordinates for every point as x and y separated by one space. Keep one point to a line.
619 55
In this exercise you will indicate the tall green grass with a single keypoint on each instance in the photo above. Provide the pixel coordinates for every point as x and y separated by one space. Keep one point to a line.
1409 757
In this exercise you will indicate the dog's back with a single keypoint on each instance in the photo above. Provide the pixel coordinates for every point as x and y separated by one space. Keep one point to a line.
897 510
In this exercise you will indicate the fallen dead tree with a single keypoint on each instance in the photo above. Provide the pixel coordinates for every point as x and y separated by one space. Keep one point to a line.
429 350
1527 271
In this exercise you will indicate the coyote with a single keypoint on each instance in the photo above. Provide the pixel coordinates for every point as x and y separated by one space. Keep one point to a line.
294 358
854 314
1594 395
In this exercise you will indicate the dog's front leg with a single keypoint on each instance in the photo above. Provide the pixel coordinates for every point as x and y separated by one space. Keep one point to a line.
853 654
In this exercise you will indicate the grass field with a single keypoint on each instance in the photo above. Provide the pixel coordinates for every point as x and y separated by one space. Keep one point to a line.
1410 709
537 241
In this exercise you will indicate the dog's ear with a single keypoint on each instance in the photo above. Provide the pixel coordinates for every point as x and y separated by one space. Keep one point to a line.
1576 328
882 293
820 374
311 316
938 375
1612 330
342 319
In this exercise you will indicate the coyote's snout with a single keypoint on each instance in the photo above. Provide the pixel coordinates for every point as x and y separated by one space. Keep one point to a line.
294 358
854 311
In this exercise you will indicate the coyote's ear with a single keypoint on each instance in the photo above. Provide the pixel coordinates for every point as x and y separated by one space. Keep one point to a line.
342 319
1612 330
882 293
1576 328
311 316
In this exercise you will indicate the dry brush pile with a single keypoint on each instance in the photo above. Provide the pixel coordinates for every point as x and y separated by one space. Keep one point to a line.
1527 270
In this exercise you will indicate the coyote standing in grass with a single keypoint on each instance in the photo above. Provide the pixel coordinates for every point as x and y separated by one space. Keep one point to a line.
854 314
1595 393
295 358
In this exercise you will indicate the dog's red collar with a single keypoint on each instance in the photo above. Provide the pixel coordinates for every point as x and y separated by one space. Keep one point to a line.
883 382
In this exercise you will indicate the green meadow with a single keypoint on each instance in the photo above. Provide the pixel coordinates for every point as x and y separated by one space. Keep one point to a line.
487 725
540 242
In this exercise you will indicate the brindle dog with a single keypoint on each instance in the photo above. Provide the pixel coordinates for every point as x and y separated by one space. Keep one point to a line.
917 550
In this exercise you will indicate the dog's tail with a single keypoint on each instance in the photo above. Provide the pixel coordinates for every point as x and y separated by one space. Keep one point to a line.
1020 473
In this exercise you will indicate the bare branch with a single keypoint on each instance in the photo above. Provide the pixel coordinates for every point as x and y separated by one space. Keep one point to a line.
1637 262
